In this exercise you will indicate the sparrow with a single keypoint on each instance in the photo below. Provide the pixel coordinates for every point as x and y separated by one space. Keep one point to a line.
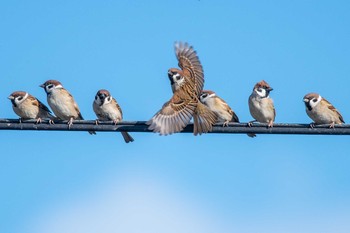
261 106
187 85
27 106
219 106
62 102
321 111
106 108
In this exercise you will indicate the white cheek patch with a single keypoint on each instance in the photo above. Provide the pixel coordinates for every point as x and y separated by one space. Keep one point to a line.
53 87
206 98
17 101
313 104
108 100
180 81
48 90
262 92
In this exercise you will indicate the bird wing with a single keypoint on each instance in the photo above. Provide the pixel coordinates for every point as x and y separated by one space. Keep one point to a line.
39 104
76 108
332 108
270 106
229 109
190 65
174 115
118 107
203 119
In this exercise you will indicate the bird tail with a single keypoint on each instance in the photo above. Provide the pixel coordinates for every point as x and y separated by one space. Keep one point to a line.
127 137
203 119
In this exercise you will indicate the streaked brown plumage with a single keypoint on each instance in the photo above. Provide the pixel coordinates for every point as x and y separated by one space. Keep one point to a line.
27 106
106 108
62 102
187 85
261 106
219 106
321 111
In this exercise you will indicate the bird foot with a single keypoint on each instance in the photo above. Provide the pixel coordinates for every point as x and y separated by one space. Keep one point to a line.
270 125
225 124
38 121
70 122
250 123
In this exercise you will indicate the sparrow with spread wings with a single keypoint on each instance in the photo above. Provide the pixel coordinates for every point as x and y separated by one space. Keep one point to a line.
187 85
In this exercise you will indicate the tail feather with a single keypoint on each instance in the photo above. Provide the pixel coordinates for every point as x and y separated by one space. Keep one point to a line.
203 119
127 137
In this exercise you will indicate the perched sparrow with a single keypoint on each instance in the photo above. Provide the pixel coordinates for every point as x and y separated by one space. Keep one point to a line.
187 85
27 106
321 111
261 105
107 109
62 102
219 106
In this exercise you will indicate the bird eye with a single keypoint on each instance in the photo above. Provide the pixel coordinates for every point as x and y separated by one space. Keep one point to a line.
20 98
178 77
50 86
109 98
314 100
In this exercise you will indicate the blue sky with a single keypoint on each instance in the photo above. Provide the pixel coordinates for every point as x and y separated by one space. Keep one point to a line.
74 182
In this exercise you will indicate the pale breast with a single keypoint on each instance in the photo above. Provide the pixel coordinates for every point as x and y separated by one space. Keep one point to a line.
323 115
220 109
63 105
108 112
26 110
261 109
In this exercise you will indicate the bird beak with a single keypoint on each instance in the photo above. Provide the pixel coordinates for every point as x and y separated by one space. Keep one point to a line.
102 96
170 76
10 97
270 89
305 100
42 86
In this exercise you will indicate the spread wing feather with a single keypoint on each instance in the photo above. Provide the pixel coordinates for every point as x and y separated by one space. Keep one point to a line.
190 64
173 117
203 119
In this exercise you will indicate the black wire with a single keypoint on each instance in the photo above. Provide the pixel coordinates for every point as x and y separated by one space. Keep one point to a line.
141 126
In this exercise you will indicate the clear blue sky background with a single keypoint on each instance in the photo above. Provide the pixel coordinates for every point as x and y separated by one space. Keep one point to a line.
74 182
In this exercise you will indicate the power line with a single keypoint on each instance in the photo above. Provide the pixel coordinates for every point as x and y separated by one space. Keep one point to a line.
141 126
